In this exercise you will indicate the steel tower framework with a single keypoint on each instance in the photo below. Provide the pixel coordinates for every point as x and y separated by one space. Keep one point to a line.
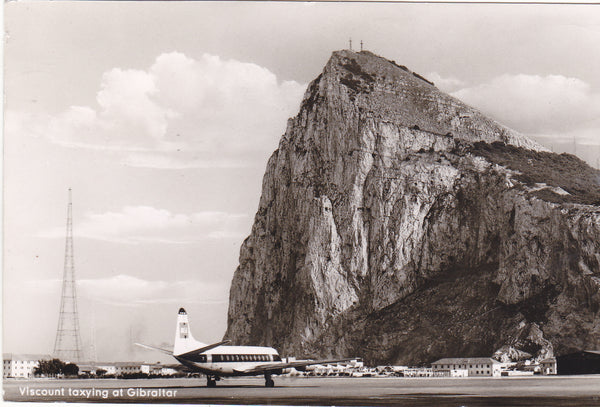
67 345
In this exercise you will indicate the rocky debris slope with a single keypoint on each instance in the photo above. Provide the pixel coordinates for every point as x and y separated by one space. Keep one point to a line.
398 224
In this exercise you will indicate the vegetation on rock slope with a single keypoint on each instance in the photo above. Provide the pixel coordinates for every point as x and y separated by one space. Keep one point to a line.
540 167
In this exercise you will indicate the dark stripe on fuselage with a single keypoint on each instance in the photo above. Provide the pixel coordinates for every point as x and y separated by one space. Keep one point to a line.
197 358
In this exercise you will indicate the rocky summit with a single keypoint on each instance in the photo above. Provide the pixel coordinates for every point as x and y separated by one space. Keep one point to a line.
400 225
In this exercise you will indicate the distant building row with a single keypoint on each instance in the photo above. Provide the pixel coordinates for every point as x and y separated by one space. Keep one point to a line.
20 365
447 367
582 362
23 366
124 368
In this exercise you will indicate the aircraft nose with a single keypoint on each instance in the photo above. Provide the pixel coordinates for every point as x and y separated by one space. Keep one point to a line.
182 311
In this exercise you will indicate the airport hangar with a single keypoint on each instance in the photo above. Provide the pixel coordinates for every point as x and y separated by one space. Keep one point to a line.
580 362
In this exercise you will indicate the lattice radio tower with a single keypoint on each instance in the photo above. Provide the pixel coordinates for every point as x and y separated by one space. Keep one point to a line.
67 345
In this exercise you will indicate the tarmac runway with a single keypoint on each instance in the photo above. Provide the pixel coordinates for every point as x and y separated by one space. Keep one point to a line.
501 391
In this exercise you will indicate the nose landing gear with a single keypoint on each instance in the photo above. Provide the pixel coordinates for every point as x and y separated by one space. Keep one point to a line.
211 381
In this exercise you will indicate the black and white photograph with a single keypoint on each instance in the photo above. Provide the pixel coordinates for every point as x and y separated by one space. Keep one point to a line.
349 203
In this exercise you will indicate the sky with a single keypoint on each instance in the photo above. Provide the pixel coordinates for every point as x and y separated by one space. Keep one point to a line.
161 117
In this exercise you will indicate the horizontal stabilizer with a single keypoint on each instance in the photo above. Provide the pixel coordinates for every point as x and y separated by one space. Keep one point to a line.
168 352
203 349
286 365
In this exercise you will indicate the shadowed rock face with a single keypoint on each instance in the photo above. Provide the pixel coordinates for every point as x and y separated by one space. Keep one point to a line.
398 224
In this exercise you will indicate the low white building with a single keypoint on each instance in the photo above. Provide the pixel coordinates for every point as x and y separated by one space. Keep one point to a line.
120 368
473 366
517 373
418 372
151 368
548 366
168 371
108 367
21 365
87 368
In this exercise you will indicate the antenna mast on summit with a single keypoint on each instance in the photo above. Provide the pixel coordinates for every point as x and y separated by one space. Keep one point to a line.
350 44
361 45
67 345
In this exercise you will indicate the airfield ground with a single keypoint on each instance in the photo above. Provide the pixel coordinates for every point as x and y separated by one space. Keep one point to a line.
524 391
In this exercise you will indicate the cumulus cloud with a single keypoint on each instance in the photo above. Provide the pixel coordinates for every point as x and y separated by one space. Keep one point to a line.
534 104
449 84
130 290
180 112
137 224
127 290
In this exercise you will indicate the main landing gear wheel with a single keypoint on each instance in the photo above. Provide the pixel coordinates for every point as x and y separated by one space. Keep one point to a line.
268 381
211 381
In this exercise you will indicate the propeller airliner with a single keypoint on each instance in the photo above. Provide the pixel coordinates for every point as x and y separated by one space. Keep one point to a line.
218 360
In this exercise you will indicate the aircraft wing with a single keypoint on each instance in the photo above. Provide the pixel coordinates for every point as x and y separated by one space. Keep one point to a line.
286 365
168 352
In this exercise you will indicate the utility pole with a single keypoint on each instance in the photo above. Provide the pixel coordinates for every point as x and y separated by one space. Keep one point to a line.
350 44
361 45
67 345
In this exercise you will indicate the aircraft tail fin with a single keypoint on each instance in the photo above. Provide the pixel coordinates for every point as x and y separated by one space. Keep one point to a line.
184 341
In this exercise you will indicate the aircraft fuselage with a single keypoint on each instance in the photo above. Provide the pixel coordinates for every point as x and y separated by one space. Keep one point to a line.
230 360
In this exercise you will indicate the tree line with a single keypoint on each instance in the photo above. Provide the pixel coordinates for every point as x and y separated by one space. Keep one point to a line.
55 367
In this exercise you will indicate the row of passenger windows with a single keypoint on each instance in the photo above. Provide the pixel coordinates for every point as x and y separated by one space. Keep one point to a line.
244 358
234 358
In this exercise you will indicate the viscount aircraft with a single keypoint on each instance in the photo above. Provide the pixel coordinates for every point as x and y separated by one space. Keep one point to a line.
217 360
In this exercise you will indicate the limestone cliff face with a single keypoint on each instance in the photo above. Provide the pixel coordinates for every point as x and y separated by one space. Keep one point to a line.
398 224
